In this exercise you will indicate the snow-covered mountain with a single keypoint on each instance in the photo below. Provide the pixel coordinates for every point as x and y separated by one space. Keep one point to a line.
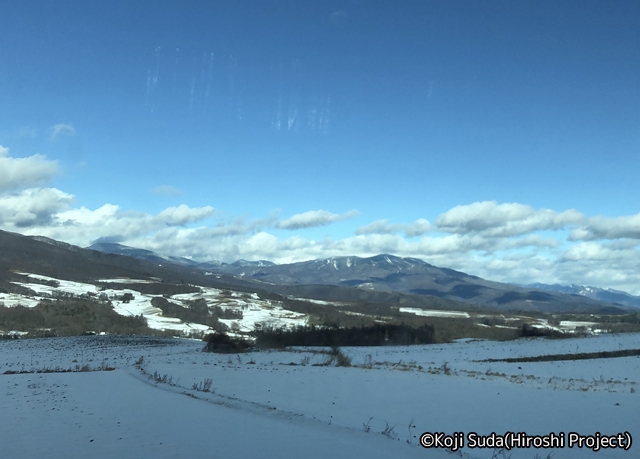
414 276
601 294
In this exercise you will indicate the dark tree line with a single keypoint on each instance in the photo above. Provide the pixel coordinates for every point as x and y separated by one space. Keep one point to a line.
376 335
70 318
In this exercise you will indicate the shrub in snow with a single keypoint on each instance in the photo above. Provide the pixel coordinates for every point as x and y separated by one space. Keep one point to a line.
222 343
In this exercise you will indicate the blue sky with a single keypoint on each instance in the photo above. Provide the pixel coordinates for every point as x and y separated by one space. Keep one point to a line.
498 138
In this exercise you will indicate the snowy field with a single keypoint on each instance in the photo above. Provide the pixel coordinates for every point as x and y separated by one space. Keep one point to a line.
152 400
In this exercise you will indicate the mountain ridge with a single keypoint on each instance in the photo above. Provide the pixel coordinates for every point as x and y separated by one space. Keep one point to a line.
596 293
389 274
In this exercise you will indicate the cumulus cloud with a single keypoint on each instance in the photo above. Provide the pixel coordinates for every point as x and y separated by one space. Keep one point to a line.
47 212
586 251
509 219
378 227
61 129
314 218
496 241
167 190
603 264
32 207
627 226
16 173
417 228
183 215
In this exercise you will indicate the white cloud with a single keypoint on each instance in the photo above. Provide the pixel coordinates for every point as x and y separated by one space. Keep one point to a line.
627 226
586 251
509 219
51 217
114 222
31 207
314 218
603 264
16 173
183 215
61 129
167 190
378 227
417 228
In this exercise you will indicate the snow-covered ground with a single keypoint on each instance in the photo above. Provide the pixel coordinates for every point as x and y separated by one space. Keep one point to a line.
279 404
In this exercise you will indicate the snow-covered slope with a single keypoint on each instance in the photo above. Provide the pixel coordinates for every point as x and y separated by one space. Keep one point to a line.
254 310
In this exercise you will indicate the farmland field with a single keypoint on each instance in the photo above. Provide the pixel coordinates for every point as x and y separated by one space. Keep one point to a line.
162 398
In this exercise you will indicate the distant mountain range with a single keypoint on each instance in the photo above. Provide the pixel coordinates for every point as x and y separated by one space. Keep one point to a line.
333 290
382 276
148 255
600 294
